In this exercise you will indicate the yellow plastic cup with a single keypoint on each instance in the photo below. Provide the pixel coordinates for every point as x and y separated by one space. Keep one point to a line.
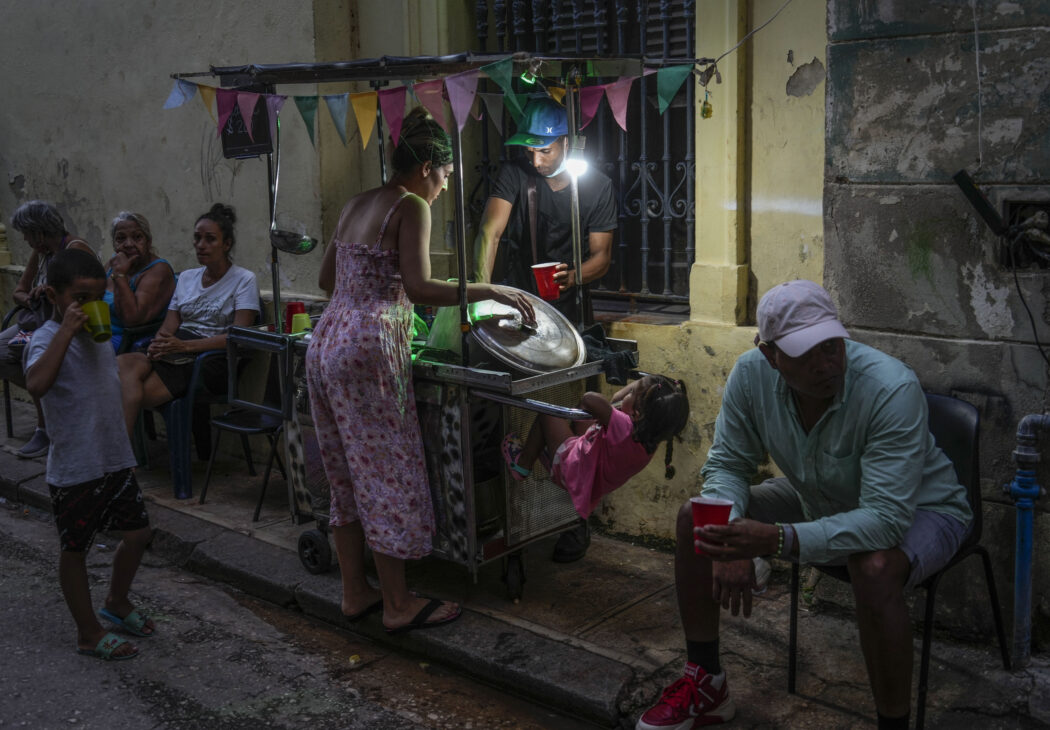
301 323
98 324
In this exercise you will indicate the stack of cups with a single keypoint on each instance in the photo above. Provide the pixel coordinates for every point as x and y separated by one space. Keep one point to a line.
290 310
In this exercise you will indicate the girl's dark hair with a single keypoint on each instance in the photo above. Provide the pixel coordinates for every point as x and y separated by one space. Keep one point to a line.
224 217
71 264
660 413
422 140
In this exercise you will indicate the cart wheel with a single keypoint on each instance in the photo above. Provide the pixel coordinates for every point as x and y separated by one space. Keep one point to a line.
514 575
314 552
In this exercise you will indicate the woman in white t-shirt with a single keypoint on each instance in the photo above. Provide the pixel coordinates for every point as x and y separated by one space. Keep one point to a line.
207 301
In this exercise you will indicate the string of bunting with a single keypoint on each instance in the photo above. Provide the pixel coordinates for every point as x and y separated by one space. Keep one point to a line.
460 90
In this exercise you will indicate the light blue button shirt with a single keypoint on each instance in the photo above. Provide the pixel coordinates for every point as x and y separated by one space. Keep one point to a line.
861 472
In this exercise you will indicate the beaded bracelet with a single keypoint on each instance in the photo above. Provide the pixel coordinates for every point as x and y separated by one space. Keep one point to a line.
780 540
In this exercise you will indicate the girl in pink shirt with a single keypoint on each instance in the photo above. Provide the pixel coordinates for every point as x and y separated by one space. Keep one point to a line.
612 448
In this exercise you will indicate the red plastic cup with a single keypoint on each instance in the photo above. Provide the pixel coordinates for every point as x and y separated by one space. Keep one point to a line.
709 511
545 283
290 310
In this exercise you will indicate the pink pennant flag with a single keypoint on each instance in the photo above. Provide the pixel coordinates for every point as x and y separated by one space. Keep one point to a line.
392 102
618 92
274 102
590 98
246 102
225 99
429 94
461 91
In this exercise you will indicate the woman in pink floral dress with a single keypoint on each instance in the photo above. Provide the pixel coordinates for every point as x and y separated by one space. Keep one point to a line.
360 378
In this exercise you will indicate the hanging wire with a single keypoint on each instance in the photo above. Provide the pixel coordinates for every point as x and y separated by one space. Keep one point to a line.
741 42
1020 295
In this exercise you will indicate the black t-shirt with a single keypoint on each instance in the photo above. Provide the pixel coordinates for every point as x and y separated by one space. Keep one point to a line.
553 224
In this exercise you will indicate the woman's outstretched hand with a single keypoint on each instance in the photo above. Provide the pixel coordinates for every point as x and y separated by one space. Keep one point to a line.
517 299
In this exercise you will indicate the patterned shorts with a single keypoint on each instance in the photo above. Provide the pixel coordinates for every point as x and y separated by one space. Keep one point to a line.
112 502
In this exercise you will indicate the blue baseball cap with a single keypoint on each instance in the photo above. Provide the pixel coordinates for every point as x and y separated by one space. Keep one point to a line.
542 123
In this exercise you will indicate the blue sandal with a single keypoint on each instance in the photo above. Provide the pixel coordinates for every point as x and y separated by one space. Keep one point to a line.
105 648
134 623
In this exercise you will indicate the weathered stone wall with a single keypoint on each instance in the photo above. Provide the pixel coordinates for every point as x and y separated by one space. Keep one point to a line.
915 271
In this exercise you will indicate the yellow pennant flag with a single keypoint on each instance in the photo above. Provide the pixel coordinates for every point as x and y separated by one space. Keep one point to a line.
208 98
365 112
557 93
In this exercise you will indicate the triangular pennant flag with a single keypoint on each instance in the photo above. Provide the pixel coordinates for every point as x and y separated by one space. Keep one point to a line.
208 99
475 109
461 90
181 92
557 93
590 98
502 72
337 108
307 106
668 81
225 99
274 102
392 102
429 94
494 107
365 112
246 102
618 92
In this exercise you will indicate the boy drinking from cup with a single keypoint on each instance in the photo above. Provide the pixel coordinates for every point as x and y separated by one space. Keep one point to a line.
89 464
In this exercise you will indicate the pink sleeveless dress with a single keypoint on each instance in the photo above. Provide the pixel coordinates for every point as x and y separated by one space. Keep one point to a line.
359 374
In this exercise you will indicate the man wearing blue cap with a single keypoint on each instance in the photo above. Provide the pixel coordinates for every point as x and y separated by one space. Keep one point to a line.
542 231
543 132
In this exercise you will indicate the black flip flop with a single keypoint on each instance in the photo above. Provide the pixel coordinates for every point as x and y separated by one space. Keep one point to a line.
419 621
354 618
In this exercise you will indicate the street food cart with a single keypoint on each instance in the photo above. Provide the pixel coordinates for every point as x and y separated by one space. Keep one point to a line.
479 374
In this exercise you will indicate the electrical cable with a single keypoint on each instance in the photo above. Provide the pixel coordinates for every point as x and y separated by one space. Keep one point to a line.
980 110
1020 295
741 42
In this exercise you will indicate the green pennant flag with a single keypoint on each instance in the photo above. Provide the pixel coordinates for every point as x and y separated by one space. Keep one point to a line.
502 72
668 81
307 106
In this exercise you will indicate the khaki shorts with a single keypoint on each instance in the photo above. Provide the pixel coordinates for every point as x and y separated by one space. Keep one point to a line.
930 542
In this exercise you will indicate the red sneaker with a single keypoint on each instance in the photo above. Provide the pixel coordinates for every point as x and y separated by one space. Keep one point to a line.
695 700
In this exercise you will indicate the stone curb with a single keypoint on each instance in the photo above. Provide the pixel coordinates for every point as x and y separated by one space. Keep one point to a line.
512 659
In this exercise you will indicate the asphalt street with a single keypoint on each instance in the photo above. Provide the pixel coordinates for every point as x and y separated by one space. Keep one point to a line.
220 659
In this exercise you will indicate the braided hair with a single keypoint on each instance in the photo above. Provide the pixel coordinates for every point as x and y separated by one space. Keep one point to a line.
422 140
660 414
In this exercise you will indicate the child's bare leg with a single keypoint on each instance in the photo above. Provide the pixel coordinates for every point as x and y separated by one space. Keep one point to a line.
125 564
549 431
533 444
73 578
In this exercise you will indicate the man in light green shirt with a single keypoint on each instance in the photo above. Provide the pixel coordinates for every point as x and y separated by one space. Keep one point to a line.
864 486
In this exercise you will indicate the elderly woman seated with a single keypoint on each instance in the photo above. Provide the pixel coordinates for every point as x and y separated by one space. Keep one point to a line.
139 283
207 301
44 230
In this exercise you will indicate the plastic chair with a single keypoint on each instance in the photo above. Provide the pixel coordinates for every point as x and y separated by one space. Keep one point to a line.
248 417
955 425
10 372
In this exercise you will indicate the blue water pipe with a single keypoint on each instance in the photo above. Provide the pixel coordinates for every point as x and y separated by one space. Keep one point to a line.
1024 491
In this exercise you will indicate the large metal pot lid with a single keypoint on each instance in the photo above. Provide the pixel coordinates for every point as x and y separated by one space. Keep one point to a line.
553 344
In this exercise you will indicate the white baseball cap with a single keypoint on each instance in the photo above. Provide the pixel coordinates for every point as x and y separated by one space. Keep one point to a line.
797 316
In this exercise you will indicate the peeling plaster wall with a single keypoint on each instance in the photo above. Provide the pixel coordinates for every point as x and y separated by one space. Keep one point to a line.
84 125
915 271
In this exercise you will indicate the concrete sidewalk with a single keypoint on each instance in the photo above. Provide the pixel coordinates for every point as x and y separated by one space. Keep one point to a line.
596 639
